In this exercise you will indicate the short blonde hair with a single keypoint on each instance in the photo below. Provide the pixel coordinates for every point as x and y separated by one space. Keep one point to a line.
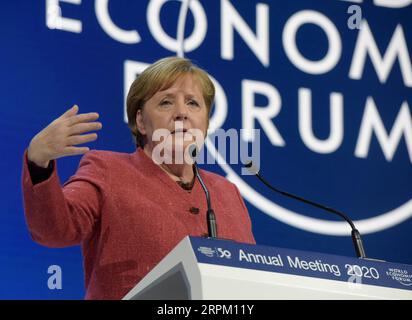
160 76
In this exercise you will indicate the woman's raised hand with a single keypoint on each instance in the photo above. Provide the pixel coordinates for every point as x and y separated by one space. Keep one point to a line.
60 137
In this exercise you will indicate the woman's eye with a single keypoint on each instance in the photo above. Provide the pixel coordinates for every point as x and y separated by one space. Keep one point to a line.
165 103
193 103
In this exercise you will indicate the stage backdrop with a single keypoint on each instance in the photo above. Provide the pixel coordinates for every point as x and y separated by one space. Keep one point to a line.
327 83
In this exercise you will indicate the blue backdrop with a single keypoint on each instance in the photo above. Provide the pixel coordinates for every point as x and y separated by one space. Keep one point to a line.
329 89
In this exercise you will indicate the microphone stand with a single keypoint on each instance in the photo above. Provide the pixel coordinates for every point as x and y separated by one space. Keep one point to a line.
356 237
210 214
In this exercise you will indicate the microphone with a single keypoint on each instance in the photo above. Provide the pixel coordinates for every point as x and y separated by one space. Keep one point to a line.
210 214
356 237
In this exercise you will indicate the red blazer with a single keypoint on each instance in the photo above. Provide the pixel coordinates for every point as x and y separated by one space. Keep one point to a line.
127 214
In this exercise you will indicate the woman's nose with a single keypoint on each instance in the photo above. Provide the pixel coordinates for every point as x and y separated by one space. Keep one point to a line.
180 111
180 117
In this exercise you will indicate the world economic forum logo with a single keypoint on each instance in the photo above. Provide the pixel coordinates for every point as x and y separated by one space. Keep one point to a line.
388 62
400 275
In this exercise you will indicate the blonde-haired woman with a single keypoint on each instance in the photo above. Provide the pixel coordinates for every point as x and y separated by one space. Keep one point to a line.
126 210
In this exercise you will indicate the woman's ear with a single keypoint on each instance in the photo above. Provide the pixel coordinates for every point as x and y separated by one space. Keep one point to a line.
139 122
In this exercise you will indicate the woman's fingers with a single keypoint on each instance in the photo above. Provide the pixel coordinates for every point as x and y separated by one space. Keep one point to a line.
72 151
80 128
79 139
59 138
71 112
84 117
76 125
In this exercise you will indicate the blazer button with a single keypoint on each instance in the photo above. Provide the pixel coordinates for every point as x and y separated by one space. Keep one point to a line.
194 210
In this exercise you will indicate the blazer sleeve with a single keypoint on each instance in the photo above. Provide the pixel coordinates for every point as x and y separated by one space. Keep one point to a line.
60 216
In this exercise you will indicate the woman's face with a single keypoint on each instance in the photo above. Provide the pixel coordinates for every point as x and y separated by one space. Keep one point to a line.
174 118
